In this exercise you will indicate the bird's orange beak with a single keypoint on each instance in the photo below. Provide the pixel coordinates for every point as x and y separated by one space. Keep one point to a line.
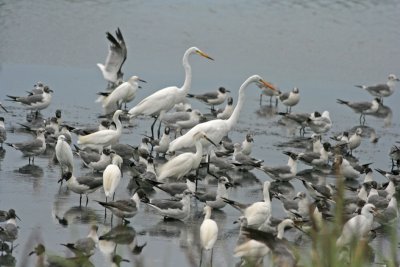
269 85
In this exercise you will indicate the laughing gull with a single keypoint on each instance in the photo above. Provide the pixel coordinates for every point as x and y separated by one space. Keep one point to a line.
117 52
82 185
299 119
170 209
212 98
125 208
285 172
215 199
394 154
354 140
3 133
124 93
32 148
319 123
227 111
382 90
162 145
9 230
357 227
316 159
364 108
35 102
247 144
85 246
216 129
160 102
243 161
290 99
101 164
208 232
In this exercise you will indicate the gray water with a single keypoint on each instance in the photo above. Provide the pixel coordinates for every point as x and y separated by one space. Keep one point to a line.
321 47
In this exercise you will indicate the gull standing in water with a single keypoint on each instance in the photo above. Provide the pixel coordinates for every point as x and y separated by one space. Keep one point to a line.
217 129
208 232
104 138
116 57
34 102
285 172
3 133
382 90
124 93
363 108
290 99
227 112
32 148
320 123
212 98
85 246
265 90
185 162
165 99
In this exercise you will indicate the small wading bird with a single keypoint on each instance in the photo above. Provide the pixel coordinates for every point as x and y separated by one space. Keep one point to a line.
117 53
34 102
382 90
212 98
165 99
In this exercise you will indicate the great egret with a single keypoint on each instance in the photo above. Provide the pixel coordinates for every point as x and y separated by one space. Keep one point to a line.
382 90
290 99
64 155
104 138
208 232
165 99
216 129
182 164
3 133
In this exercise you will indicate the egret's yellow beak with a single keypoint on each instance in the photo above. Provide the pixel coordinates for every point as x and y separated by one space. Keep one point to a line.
201 53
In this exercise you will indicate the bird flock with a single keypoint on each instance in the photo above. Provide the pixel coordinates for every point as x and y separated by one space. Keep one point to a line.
192 160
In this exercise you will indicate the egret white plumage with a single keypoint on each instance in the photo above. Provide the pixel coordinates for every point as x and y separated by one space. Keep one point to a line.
182 164
208 231
111 179
3 133
357 227
112 68
217 129
165 99
124 93
104 138
64 155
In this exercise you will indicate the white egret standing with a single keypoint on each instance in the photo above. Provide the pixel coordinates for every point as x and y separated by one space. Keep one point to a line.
111 178
124 93
64 155
208 232
103 138
216 129
165 99
185 162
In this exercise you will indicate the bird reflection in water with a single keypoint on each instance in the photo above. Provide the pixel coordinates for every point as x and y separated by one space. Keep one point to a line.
267 111
80 215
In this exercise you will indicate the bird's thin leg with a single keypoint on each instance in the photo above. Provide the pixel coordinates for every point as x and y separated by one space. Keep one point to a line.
159 130
276 102
212 250
152 126
87 200
80 200
201 256
260 99
113 196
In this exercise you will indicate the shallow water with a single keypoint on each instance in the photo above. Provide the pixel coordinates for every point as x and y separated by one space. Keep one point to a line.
322 47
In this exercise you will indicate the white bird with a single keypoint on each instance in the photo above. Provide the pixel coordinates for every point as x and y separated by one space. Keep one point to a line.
116 57
111 179
32 148
382 90
212 98
357 227
82 185
165 99
182 164
208 231
257 214
247 144
64 155
124 93
354 140
227 111
363 108
104 138
217 129
3 133
35 102
320 123
290 99
163 143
